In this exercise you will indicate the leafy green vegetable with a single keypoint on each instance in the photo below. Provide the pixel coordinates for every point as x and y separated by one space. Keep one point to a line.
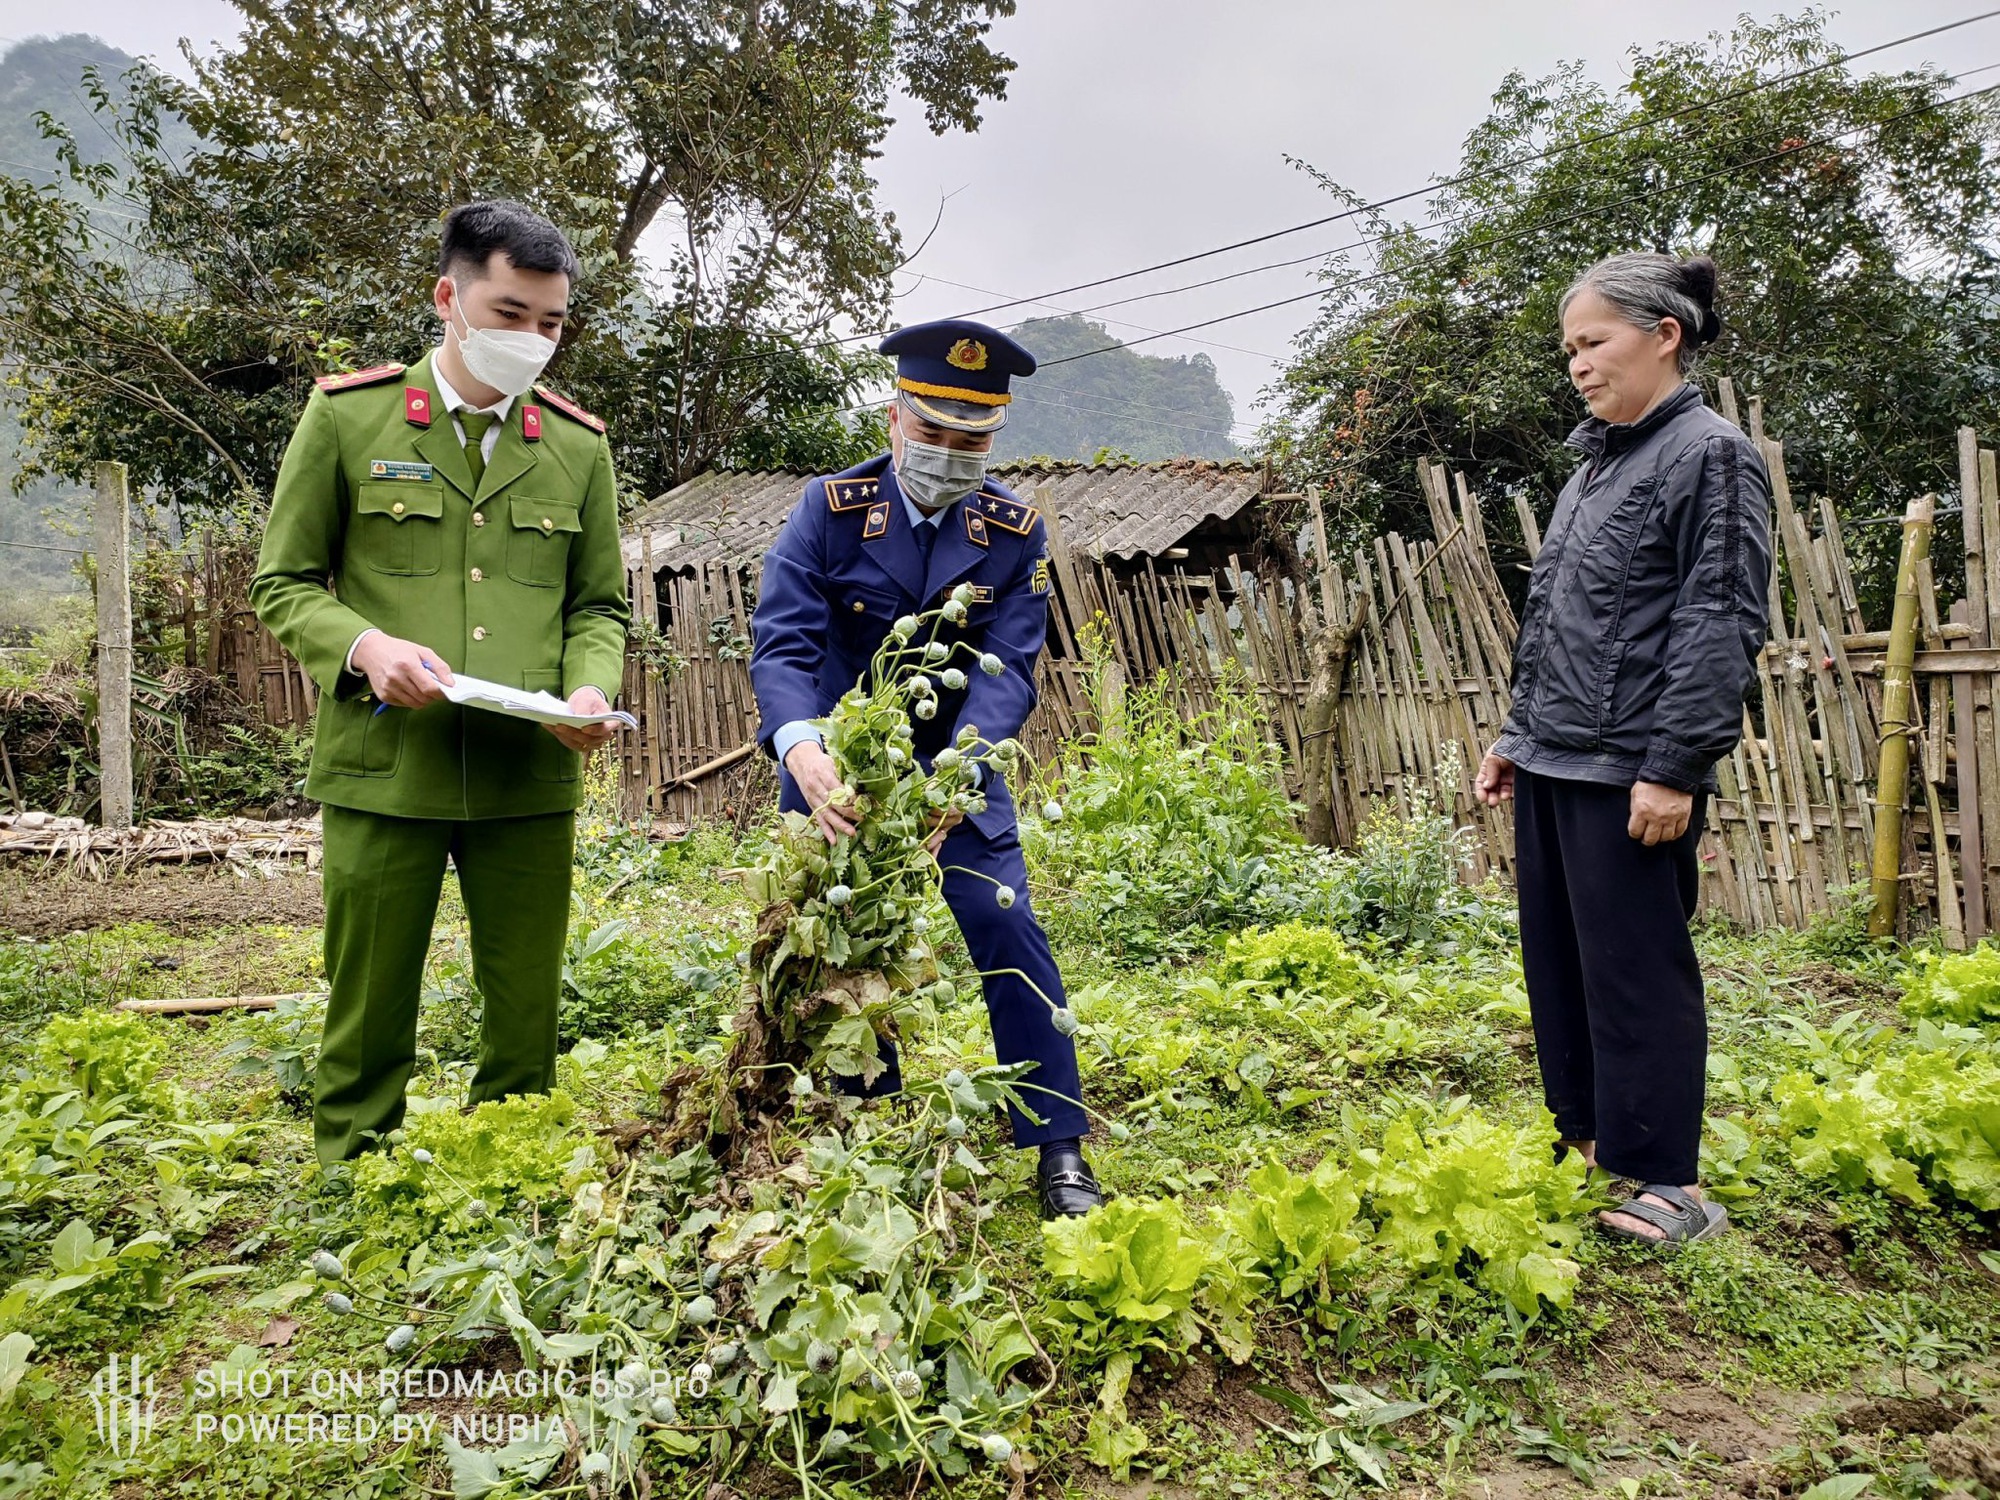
1961 988
1295 957
109 1054
504 1152
1297 1230
1927 1116
1455 1193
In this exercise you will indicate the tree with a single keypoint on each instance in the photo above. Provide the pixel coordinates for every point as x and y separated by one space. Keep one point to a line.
1142 405
709 160
1853 219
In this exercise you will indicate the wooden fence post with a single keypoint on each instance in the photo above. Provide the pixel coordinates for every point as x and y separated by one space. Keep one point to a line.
1892 781
114 648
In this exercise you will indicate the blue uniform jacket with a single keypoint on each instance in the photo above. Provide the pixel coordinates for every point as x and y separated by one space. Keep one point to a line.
846 565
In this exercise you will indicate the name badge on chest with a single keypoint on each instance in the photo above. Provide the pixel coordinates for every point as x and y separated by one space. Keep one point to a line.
393 469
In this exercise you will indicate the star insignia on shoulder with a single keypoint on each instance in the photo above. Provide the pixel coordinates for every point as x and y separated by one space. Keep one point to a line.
1019 519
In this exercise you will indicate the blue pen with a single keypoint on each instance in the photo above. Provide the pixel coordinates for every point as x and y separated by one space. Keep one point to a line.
380 706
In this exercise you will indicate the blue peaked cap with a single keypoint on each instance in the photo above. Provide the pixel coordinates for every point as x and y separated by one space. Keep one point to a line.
954 373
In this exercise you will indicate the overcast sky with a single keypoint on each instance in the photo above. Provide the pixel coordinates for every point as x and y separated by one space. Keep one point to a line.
1136 131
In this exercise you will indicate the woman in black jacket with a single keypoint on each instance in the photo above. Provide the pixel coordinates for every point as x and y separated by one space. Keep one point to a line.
1645 615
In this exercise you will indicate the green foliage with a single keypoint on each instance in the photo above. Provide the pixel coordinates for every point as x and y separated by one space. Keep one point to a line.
1839 206
1295 958
1955 988
1403 882
1298 1231
1926 1118
1173 825
109 1055
1130 1276
505 1153
840 956
170 305
283 1043
613 986
1145 407
1458 1195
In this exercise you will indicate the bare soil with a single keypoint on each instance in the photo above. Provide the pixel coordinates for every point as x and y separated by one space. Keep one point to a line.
38 902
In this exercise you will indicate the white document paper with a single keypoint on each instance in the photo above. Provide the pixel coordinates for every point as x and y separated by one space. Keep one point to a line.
515 703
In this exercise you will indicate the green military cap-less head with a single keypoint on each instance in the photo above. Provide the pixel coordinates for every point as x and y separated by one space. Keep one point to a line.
954 373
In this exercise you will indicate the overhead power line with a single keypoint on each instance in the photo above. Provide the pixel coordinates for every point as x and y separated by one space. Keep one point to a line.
1522 161
1554 221
1464 179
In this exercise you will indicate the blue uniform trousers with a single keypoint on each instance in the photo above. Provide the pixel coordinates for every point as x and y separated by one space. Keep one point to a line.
1002 939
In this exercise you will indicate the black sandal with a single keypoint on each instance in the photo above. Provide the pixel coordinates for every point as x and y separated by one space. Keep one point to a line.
1689 1219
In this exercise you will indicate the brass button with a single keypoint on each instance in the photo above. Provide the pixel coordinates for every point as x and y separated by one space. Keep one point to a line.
859 607
477 575
479 632
547 524
397 508
478 519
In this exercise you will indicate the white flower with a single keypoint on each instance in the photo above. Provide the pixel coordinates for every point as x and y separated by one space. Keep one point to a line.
1003 896
992 666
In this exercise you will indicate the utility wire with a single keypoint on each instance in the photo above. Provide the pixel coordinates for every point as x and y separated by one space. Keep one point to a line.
1548 153
1523 230
1542 155
1540 224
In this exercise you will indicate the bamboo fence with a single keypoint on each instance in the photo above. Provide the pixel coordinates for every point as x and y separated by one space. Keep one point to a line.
1423 690
1429 637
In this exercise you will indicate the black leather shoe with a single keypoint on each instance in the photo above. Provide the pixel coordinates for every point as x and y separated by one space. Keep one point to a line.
1065 1185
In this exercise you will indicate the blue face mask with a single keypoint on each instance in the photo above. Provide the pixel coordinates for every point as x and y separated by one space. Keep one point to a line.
934 476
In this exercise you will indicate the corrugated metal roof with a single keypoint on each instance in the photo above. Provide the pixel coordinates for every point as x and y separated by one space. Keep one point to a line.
1123 511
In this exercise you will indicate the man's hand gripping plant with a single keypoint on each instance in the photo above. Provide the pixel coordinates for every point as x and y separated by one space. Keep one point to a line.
840 959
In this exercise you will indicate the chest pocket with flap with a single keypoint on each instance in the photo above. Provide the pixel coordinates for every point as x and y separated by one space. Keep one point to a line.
398 528
538 540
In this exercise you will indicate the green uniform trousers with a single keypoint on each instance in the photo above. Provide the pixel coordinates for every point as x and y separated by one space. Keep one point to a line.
382 876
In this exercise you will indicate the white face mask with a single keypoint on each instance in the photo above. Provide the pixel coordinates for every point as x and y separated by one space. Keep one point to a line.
934 476
504 358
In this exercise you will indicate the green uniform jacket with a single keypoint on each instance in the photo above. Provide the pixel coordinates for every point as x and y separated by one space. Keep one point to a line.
375 521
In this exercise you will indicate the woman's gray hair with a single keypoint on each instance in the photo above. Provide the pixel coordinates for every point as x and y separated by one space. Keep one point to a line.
1644 288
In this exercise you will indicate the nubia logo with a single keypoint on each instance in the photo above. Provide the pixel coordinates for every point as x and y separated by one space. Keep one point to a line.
121 1403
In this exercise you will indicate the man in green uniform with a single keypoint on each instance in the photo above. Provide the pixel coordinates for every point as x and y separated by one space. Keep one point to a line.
448 515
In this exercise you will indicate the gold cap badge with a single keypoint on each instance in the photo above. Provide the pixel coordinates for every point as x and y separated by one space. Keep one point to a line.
967 354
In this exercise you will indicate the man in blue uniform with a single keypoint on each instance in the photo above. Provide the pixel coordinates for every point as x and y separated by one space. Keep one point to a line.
892 537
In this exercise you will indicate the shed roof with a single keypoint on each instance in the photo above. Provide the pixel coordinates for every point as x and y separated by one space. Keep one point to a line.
1123 511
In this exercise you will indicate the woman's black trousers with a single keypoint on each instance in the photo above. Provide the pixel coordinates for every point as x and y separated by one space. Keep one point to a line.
1613 983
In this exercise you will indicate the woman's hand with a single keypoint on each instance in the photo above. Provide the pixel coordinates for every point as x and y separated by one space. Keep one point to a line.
1494 782
1659 813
